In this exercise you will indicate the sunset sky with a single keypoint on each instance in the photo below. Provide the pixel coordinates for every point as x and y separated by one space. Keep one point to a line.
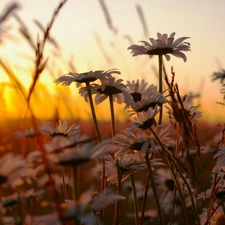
85 37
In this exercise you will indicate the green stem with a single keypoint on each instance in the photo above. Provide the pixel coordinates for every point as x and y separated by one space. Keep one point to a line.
134 198
154 189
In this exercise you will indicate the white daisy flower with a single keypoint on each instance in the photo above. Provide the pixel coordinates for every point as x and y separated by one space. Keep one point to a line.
129 164
220 162
150 100
127 141
108 87
60 129
163 45
139 90
145 119
187 107
86 78
218 217
80 153
13 170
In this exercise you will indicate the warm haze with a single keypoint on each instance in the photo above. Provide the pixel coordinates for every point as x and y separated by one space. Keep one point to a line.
86 40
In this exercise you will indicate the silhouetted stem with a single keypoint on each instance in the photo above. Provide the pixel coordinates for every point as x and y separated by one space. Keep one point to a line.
93 112
160 86
65 193
134 198
144 199
154 189
75 183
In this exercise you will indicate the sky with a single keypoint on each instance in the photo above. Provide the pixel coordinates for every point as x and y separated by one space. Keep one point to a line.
85 39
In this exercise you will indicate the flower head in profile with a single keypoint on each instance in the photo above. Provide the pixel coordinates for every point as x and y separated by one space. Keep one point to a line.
86 78
219 76
145 120
163 45
108 88
184 106
77 153
129 164
127 142
217 218
61 129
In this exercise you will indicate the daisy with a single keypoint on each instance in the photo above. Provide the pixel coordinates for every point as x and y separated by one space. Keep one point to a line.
79 210
109 87
60 129
220 162
99 200
150 100
219 76
163 45
145 119
13 170
218 217
183 108
80 154
86 78
127 141
139 89
129 164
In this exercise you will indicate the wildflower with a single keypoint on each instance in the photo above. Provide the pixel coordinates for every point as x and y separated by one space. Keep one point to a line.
165 180
145 119
60 129
164 45
218 217
166 183
140 89
127 141
31 133
80 210
13 169
79 154
128 163
220 162
150 100
98 199
185 106
219 76
86 78
108 87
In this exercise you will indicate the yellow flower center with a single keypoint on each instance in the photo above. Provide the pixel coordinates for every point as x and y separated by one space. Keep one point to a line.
220 220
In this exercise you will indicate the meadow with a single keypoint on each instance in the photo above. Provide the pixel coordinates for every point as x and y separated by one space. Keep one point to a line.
151 160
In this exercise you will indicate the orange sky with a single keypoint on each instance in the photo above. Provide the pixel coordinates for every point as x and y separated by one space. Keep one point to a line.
81 23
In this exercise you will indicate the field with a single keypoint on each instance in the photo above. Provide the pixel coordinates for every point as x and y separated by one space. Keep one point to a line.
91 148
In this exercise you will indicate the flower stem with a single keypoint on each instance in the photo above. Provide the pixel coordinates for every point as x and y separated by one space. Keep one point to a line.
112 115
75 183
160 85
134 198
93 112
154 189
144 198
64 183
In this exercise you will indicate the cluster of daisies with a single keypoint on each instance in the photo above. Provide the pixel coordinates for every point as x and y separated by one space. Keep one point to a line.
145 172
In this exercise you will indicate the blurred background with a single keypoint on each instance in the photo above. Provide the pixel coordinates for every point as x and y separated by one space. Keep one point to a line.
94 35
